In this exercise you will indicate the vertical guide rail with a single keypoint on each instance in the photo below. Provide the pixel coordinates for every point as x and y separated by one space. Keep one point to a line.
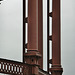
48 36
24 27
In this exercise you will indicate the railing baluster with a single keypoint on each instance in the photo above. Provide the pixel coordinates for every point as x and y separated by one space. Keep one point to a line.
19 69
1 66
5 67
9 67
12 67
16 68
22 70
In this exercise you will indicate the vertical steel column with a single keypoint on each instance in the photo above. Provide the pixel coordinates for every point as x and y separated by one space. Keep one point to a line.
40 31
24 14
56 50
34 24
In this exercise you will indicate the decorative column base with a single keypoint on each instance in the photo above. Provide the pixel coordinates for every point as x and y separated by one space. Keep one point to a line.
56 70
31 58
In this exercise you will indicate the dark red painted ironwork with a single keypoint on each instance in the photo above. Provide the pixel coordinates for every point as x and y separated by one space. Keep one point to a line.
55 38
18 68
35 35
31 62
40 32
32 25
56 68
14 67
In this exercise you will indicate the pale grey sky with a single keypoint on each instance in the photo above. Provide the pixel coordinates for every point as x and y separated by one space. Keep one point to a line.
11 32
11 29
68 36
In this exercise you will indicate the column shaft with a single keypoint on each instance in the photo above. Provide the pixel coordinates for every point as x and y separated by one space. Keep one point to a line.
40 31
56 49
32 24
56 32
35 34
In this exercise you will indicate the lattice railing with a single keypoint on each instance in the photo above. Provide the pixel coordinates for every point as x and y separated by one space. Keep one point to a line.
13 67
